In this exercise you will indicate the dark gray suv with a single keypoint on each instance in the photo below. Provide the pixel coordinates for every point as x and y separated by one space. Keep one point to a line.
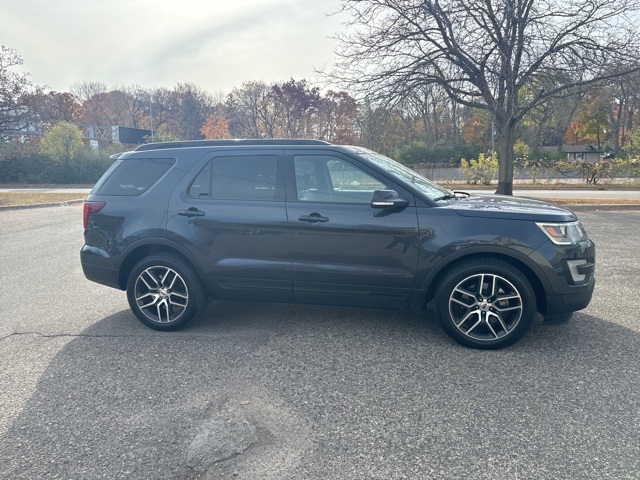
176 224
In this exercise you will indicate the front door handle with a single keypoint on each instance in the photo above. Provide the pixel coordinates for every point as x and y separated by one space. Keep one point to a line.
313 218
192 212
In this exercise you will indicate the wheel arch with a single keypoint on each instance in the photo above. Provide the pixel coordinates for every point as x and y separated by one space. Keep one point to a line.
139 250
534 275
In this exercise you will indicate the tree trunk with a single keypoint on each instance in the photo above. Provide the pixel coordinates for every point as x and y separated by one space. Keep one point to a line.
617 127
505 158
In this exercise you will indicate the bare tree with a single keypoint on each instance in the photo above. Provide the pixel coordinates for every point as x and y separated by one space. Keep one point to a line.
159 109
16 92
83 91
484 52
546 124
336 118
246 110
132 104
188 107
625 99
298 104
54 107
429 103
381 127
97 103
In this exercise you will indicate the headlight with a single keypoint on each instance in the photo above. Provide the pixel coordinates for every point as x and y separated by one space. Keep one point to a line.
568 233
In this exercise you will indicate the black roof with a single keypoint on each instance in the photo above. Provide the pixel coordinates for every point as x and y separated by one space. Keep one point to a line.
579 149
226 143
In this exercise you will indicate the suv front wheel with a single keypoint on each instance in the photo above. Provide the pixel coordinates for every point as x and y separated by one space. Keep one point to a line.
165 292
485 303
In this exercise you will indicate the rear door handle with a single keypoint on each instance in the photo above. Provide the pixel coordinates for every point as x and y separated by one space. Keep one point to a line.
192 212
313 218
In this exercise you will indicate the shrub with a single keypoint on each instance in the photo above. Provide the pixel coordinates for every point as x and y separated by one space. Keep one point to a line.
591 172
626 167
482 170
62 143
24 163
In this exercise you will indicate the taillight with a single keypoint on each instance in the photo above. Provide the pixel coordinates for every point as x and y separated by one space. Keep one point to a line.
89 209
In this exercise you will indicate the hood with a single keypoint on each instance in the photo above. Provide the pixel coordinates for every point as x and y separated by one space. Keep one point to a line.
506 206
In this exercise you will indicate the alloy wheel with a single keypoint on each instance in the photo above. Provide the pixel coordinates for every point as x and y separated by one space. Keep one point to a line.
161 294
485 307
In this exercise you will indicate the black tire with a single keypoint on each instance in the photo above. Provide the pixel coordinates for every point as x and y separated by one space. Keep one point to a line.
165 292
485 303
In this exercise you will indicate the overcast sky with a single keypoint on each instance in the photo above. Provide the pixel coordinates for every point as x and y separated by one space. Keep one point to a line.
216 44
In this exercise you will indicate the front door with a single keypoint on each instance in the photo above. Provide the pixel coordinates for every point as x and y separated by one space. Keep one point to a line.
344 252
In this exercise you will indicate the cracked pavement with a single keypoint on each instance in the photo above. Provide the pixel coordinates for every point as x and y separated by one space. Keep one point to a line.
255 390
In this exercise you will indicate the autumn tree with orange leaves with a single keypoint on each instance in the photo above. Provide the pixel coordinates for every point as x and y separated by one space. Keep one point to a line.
216 128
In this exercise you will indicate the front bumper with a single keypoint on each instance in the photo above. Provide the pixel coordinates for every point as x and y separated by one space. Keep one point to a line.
565 303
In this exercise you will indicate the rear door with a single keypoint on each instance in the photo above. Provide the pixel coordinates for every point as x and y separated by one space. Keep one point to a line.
231 215
345 252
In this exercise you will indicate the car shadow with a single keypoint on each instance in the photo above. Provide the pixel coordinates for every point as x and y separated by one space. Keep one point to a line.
124 401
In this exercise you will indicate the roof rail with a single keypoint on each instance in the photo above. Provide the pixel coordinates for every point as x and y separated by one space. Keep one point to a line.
226 143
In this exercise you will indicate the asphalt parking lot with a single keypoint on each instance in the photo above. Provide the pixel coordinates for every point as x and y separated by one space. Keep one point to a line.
261 391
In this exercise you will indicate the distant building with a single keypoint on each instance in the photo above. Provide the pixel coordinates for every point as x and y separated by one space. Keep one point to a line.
132 136
588 153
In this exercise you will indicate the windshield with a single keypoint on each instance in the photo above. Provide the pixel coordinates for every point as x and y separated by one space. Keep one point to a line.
426 187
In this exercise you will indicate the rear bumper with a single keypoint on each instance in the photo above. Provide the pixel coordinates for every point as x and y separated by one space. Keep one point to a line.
95 267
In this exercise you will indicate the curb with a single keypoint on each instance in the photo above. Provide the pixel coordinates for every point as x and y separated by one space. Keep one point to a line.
42 205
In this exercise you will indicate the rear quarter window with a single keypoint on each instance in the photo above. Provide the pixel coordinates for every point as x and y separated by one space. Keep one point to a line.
134 176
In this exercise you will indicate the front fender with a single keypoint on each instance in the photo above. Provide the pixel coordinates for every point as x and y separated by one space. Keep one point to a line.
518 258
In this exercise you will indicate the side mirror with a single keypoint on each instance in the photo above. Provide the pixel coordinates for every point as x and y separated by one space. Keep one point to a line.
387 199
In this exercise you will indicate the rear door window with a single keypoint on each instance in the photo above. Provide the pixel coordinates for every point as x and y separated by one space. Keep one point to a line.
250 177
134 176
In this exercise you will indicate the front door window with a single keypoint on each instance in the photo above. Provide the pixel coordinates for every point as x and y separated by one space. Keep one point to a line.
324 178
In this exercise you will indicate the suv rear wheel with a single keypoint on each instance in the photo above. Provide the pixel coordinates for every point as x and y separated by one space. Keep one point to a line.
165 292
485 303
